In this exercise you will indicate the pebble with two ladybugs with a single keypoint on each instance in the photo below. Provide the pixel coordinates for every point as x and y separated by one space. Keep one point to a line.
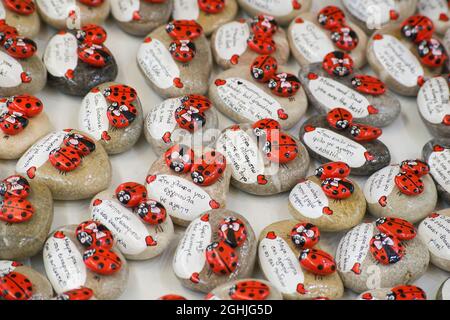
289 249
84 258
176 59
245 290
263 89
406 54
21 14
396 187
264 159
400 292
313 36
142 227
218 247
284 11
78 60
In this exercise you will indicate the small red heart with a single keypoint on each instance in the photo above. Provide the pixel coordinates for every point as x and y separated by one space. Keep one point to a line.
72 14
62 32
150 241
282 114
309 128
25 77
214 204
296 5
95 90
97 202
434 215
357 268
59 235
368 156
367 296
205 218
147 40
262 179
299 20
301 288
105 136
382 201
31 172
220 82
420 81
136 16
312 76
438 148
195 277
327 211
167 137
69 74
446 120
271 235
443 17
378 36
372 109
234 59
177 83
150 178
235 127
16 264
393 15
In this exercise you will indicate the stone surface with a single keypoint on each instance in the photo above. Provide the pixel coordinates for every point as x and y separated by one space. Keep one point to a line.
151 15
90 177
437 11
243 99
328 92
384 199
360 271
224 292
178 78
130 232
307 202
310 42
190 264
27 25
65 268
278 260
327 144
444 291
93 120
446 42
437 154
23 240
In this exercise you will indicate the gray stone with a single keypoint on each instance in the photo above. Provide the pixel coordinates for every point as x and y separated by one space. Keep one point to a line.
437 154
27 25
225 291
444 291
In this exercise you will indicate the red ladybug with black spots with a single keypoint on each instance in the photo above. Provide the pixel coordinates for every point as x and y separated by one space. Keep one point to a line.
261 44
409 184
65 159
264 68
221 258
233 231
345 38
336 169
363 132
417 28
121 115
102 261
79 294
305 235
386 249
340 118
151 211
7 31
263 126
15 286
406 292
179 158
184 29
284 85
25 104
337 188
249 290
264 24
338 63
331 17
368 85
15 186
93 233
95 55
417 167
19 47
211 6
280 147
396 227
199 102
22 7
120 93
182 50
130 194
317 261
209 169
190 118
432 53
16 210
91 33
12 123
79 142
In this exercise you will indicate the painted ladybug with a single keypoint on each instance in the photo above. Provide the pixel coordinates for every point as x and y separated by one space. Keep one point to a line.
363 132
417 28
102 261
15 210
130 194
211 6
65 159
182 50
7 31
12 123
386 249
337 188
409 183
184 29
396 227
233 231
23 7
406 292
261 44
264 68
172 297
344 38
79 294
284 85
221 258
19 47
417 167
92 33
179 158
339 118
151 212
120 93
121 115
79 142
15 286
280 147
331 17
432 53
305 235
264 24
93 233
209 169
25 104
190 118
92 3
368 85
15 186
249 290
338 63
95 55
199 102
317 261
329 170
263 126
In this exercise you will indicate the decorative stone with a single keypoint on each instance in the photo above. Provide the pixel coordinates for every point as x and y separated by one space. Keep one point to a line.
21 240
195 262
437 11
90 167
282 10
76 65
19 282
433 231
112 114
279 259
72 13
401 292
24 18
325 92
437 154
360 270
311 42
80 294
162 129
190 10
245 289
328 144
68 265
165 75
444 291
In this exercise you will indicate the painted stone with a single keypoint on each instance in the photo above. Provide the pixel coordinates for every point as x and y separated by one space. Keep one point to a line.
327 144
279 261
112 114
91 171
361 271
437 11
75 65
72 14
326 92
444 291
24 18
433 231
66 263
400 292
437 154
162 130
25 239
282 10
19 282
79 294
385 199
171 78
245 289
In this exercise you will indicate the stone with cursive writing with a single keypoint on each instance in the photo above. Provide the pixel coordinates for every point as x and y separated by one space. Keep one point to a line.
436 153
26 22
237 290
443 292
438 11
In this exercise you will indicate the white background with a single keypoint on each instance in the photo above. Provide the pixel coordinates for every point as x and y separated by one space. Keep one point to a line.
151 279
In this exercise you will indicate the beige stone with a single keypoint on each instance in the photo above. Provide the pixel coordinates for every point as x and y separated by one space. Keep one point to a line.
27 25
223 292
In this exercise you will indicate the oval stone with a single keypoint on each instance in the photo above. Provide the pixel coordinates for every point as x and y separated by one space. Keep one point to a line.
282 10
437 154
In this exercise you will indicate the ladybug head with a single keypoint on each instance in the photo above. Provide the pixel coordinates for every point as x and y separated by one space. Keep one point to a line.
298 240
81 35
197 177
304 254
257 73
84 238
390 296
170 27
123 196
3 188
319 171
380 221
